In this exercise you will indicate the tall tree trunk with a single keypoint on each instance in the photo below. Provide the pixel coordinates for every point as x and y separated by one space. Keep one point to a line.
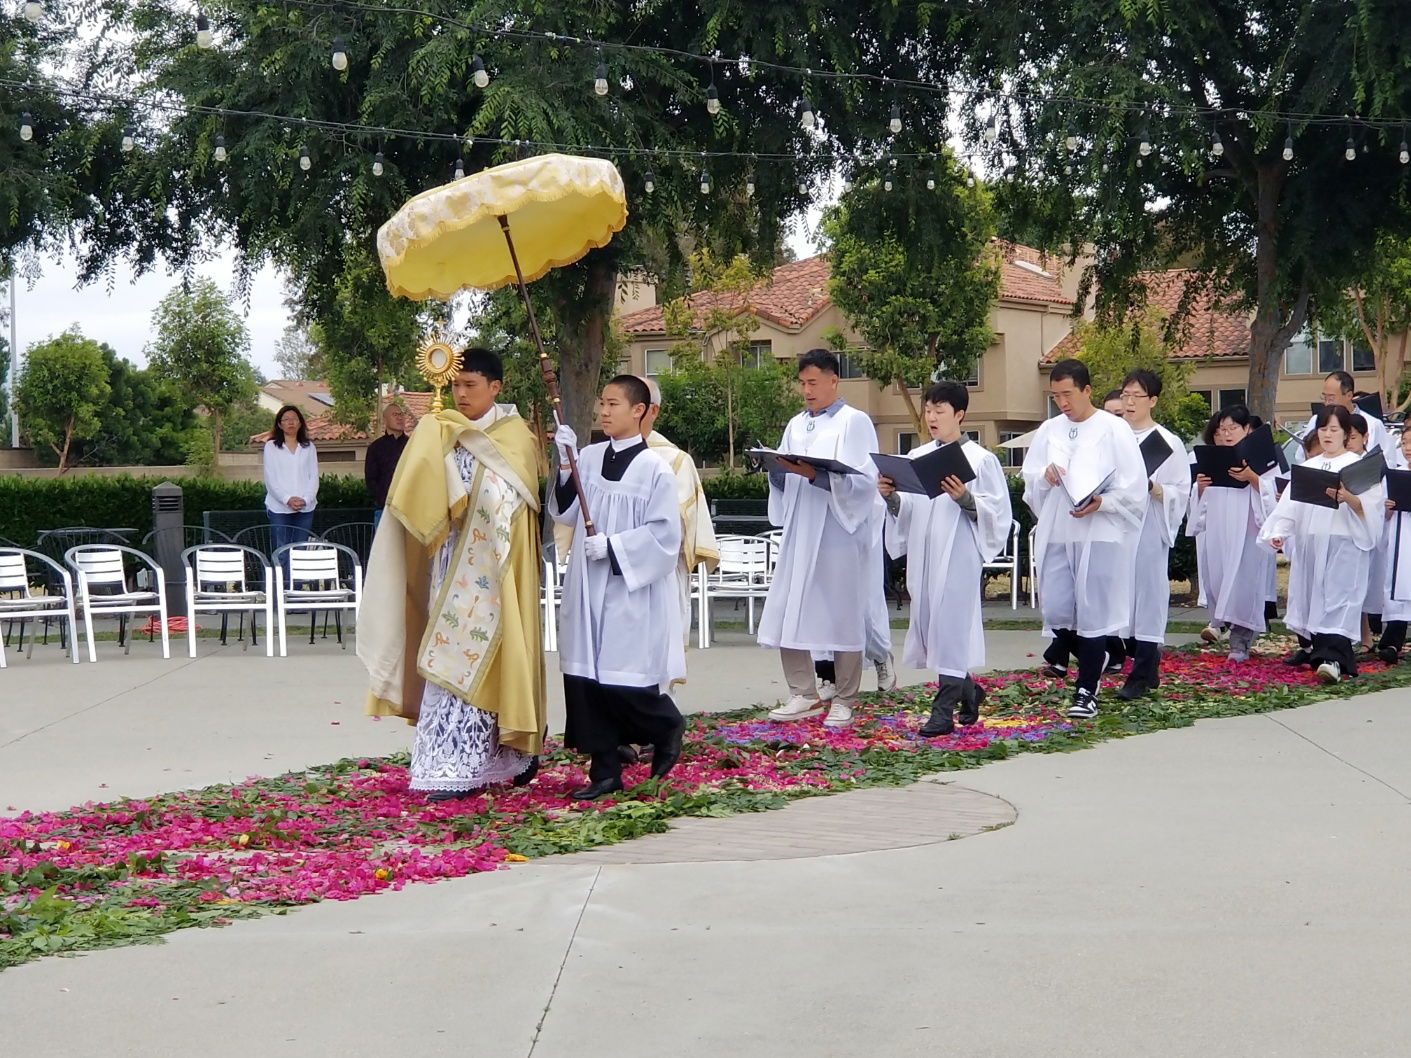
215 436
1272 326
917 419
583 328
68 440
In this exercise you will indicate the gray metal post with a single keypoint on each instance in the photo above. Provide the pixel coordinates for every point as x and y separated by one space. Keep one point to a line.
168 541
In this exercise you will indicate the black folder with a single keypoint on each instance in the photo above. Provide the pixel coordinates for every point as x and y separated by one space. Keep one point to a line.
1155 451
1308 485
1259 449
1216 462
1371 405
1360 476
1399 489
924 474
770 459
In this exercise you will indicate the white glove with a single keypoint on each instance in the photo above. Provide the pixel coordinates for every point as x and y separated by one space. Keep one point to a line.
567 441
595 548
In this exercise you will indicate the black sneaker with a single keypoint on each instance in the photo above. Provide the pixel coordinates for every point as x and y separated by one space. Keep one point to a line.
1112 664
1298 658
969 711
1057 672
1084 705
1389 655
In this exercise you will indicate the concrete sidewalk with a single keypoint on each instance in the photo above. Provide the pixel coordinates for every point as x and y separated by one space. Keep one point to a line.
1235 888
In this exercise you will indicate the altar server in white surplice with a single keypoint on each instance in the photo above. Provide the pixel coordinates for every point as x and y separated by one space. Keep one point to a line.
620 643
1339 389
1328 572
1085 553
827 574
1396 568
947 541
1168 492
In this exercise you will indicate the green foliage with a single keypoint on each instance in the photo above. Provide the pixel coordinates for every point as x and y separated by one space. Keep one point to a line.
913 271
733 485
201 345
62 392
1376 310
244 421
299 354
28 505
1112 350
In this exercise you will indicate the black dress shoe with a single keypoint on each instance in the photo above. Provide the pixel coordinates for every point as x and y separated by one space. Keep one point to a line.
1298 658
1389 655
939 724
627 754
1057 672
441 796
594 790
666 754
969 711
525 777
1134 689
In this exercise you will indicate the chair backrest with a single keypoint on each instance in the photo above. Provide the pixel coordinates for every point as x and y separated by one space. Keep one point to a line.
189 535
743 554
220 565
261 537
57 543
315 562
354 535
100 566
14 576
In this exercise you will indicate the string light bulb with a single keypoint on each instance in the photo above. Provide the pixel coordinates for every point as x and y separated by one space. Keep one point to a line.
806 118
26 127
649 183
33 10
931 182
887 184
1405 154
478 74
1349 150
895 123
847 184
803 187
305 162
459 171
600 79
220 152
377 167
1217 146
705 183
204 39
969 179
1288 148
992 129
712 100
129 140
1071 140
749 186
340 57
1144 147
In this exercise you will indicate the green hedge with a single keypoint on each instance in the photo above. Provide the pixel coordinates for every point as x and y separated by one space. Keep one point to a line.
28 505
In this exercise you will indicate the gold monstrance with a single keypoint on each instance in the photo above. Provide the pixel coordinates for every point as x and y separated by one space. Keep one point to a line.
439 362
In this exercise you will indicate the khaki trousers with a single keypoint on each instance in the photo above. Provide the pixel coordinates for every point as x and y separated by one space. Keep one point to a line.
798 673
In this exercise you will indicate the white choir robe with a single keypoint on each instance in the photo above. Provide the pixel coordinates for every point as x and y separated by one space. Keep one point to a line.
945 552
1376 599
1161 522
1333 556
1377 435
1234 567
623 630
1085 565
829 572
1396 584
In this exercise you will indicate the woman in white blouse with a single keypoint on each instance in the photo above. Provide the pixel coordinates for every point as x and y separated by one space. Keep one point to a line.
291 478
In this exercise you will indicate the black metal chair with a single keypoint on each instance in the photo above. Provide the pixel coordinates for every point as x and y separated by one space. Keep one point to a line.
354 535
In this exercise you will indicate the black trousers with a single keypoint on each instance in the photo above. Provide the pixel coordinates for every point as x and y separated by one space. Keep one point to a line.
1338 649
1393 635
603 716
1146 663
825 670
1090 652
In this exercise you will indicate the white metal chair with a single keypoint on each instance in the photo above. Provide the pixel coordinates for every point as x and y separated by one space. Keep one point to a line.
1033 570
20 602
742 573
698 600
1008 559
217 582
320 576
551 595
104 590
775 537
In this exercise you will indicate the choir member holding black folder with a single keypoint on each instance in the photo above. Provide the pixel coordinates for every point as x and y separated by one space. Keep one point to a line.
1333 509
1396 544
1234 493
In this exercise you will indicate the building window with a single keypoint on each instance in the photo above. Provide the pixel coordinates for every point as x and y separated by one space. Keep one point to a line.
848 369
973 381
1011 457
760 354
1331 356
1362 358
1298 357
906 442
971 435
1231 396
657 362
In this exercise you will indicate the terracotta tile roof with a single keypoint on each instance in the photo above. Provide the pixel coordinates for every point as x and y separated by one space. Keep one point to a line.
310 397
798 291
322 427
1210 330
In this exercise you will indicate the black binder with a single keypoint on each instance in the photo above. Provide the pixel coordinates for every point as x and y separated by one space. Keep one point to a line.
924 474
1155 451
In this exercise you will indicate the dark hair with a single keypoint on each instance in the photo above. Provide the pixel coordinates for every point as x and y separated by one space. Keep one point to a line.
953 393
636 390
1334 411
482 361
1149 381
1074 370
1112 394
1311 443
822 359
1344 380
1236 413
1359 423
277 434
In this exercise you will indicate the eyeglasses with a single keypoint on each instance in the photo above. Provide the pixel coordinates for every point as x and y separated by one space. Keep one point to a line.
1132 396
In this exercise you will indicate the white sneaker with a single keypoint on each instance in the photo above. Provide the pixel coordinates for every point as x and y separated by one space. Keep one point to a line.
1211 634
886 675
826 690
839 715
798 707
1329 672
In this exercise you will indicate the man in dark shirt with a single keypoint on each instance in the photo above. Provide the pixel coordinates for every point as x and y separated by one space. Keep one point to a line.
382 456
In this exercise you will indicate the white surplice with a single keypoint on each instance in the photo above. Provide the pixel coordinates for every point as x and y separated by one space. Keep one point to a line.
1396 563
828 573
623 630
1332 559
1085 564
1376 599
1377 436
1161 522
945 551
1234 567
